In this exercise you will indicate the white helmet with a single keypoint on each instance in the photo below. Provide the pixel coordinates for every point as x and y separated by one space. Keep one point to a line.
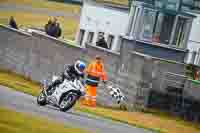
79 66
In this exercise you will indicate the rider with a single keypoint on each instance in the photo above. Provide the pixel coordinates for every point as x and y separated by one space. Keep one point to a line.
71 72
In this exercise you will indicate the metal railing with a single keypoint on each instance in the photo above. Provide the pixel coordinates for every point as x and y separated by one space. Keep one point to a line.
181 96
172 79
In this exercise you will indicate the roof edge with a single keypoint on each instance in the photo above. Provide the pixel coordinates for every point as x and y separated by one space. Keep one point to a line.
107 4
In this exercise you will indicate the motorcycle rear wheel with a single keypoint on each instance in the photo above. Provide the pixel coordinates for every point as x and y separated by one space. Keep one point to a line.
68 101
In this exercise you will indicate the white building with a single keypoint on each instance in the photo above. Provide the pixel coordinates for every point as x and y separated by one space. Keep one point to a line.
110 19
113 21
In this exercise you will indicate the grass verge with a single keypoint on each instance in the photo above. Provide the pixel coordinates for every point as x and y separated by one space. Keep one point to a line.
155 121
29 19
45 4
57 6
22 123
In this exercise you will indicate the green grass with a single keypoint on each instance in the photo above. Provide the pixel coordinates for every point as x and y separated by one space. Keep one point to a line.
107 116
57 6
69 25
51 6
23 123
153 120
30 19
19 83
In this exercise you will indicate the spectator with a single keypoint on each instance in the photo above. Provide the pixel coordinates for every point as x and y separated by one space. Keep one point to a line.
59 31
13 23
52 29
101 41
47 26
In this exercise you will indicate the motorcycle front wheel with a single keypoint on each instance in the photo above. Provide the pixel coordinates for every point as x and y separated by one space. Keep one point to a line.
68 101
41 99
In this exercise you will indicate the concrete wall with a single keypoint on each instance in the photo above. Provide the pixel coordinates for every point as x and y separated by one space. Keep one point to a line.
39 56
141 73
28 54
13 53
157 51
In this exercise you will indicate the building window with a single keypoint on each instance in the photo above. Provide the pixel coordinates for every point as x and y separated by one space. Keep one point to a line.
168 4
100 34
163 28
81 36
110 41
196 4
159 3
157 27
148 25
190 5
181 32
173 4
101 42
187 4
90 37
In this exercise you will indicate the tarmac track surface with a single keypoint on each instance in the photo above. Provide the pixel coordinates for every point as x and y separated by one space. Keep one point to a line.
21 102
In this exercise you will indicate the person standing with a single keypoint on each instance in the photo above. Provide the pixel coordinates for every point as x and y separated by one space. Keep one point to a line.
58 31
101 41
48 26
13 23
53 28
95 72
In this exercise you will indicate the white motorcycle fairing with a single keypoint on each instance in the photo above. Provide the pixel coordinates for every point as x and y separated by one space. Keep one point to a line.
62 89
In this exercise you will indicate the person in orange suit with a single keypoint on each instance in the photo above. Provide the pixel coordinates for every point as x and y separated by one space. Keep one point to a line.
95 72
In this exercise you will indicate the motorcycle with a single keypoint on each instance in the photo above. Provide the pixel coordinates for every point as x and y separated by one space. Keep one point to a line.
63 96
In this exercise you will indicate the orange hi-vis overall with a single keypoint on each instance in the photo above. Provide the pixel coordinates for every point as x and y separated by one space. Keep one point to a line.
95 73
